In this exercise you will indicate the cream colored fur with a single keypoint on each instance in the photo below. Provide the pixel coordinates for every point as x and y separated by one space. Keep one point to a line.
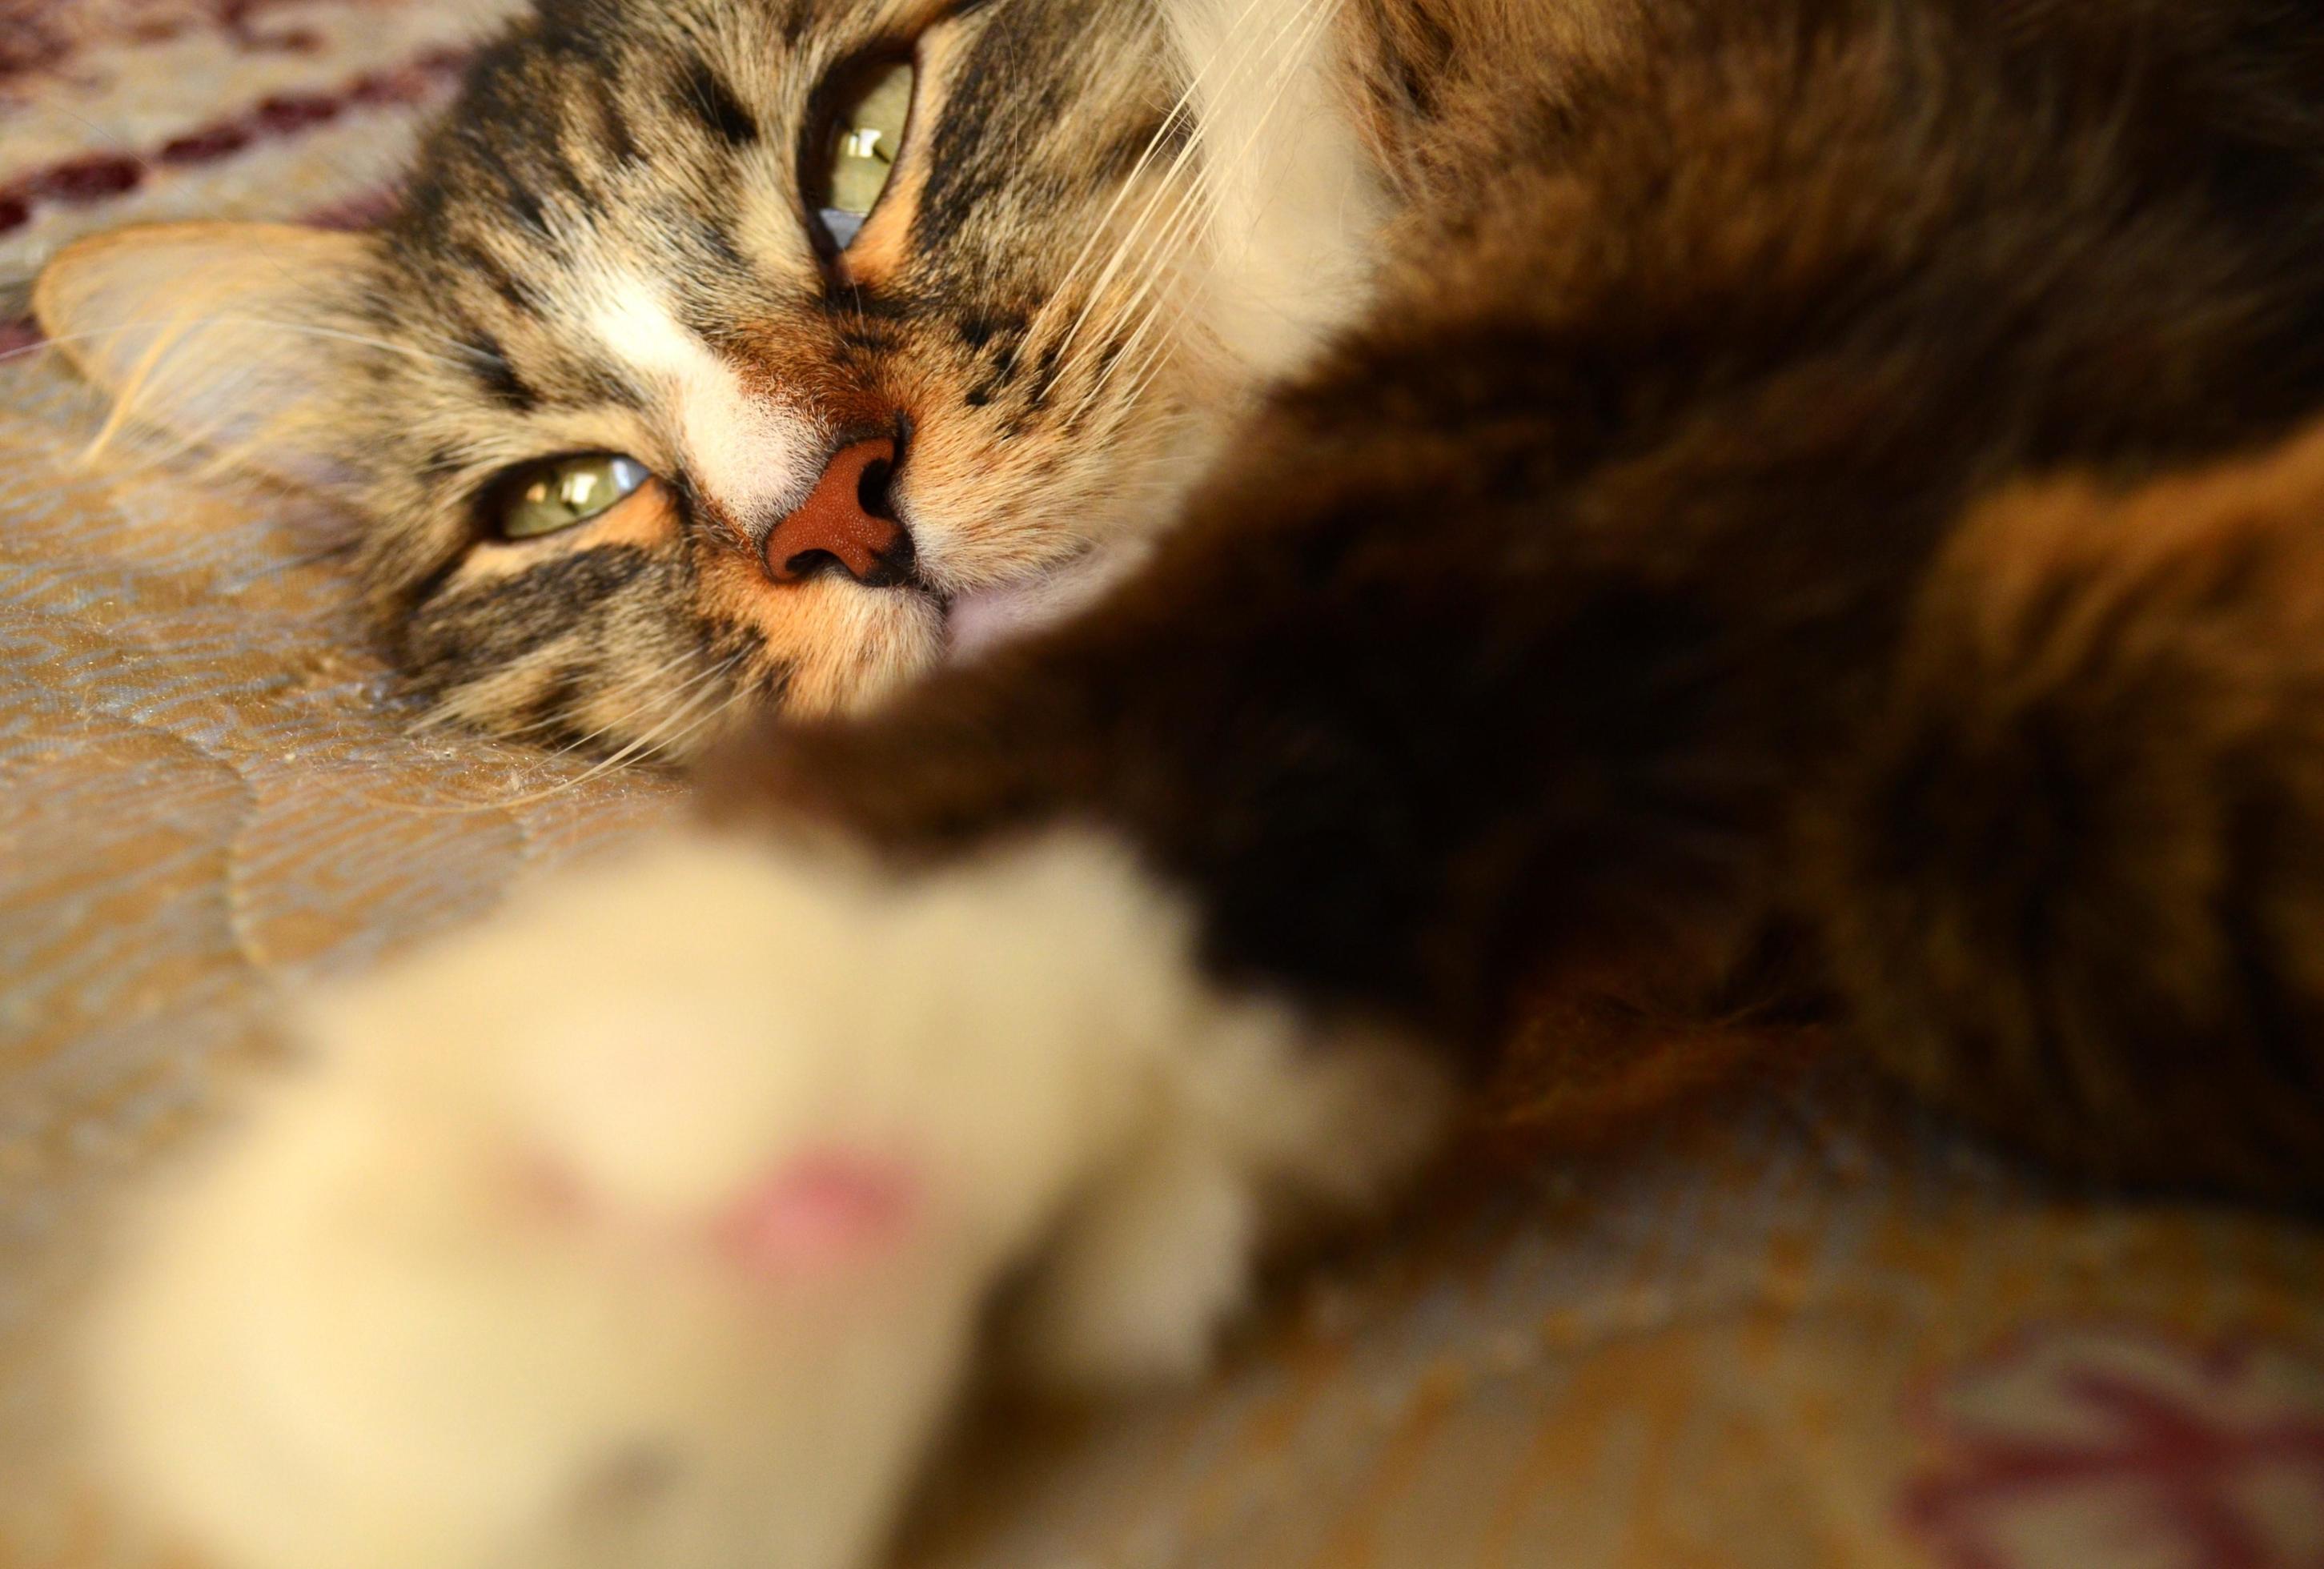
1296 204
756 457
449 1294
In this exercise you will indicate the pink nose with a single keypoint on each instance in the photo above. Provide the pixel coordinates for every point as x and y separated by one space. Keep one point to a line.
844 525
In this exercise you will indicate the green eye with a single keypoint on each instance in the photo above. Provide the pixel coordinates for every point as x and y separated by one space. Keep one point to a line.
545 497
867 137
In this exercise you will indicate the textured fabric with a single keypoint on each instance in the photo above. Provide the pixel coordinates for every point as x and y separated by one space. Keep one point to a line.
203 794
1786 1324
1792 1329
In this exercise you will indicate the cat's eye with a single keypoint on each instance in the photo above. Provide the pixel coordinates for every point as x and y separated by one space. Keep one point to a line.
543 498
866 137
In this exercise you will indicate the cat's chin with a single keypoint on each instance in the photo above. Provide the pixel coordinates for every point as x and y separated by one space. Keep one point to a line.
979 619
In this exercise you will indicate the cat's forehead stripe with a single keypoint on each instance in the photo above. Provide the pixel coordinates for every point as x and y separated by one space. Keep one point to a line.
757 455
704 95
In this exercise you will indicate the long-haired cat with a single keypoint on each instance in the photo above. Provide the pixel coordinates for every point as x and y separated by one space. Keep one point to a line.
1614 478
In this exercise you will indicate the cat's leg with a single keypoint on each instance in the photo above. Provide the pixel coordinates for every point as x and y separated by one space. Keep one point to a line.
1157 1251
654 1221
2074 878
1406 711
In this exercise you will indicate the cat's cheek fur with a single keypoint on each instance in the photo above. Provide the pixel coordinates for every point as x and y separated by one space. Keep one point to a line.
1296 204
655 1222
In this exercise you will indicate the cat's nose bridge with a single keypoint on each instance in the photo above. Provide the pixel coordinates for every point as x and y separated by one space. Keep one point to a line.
846 523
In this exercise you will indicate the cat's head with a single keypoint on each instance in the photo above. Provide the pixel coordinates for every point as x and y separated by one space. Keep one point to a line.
721 349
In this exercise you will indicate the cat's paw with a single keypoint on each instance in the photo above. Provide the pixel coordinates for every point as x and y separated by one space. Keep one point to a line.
1157 1248
652 1223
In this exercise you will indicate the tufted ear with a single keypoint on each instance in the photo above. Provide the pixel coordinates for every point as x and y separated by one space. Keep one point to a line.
238 338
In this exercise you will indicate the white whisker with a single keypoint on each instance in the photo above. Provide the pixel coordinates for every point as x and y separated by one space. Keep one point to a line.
1309 18
655 742
1145 159
441 717
1126 247
187 325
1312 17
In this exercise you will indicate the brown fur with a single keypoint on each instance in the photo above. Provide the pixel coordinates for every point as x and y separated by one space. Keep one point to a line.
1632 573
2075 881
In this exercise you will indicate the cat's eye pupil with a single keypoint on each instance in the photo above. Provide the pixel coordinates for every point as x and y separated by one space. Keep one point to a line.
567 491
867 140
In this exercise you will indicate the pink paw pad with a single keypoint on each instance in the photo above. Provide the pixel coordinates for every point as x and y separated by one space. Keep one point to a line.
823 1211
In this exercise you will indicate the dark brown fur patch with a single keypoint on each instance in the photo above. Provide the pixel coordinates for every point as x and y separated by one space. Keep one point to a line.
703 93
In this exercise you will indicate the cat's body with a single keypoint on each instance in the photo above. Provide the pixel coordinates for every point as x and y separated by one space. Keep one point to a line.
1825 465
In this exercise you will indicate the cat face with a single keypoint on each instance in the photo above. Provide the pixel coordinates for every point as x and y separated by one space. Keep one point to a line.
721 354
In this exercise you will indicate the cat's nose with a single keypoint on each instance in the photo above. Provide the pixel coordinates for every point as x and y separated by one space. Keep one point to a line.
846 524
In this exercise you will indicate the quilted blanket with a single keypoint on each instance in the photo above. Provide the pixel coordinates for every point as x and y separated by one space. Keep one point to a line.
1781 1321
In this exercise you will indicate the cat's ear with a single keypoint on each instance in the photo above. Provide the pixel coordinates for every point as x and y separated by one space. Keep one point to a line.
242 339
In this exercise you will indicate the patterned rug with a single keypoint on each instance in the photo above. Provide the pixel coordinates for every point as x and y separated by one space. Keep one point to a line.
1785 1324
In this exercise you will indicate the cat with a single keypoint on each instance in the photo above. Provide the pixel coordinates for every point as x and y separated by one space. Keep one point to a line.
1603 482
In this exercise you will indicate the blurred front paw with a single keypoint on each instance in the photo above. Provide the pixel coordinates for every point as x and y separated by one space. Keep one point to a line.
650 1222
647 1224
